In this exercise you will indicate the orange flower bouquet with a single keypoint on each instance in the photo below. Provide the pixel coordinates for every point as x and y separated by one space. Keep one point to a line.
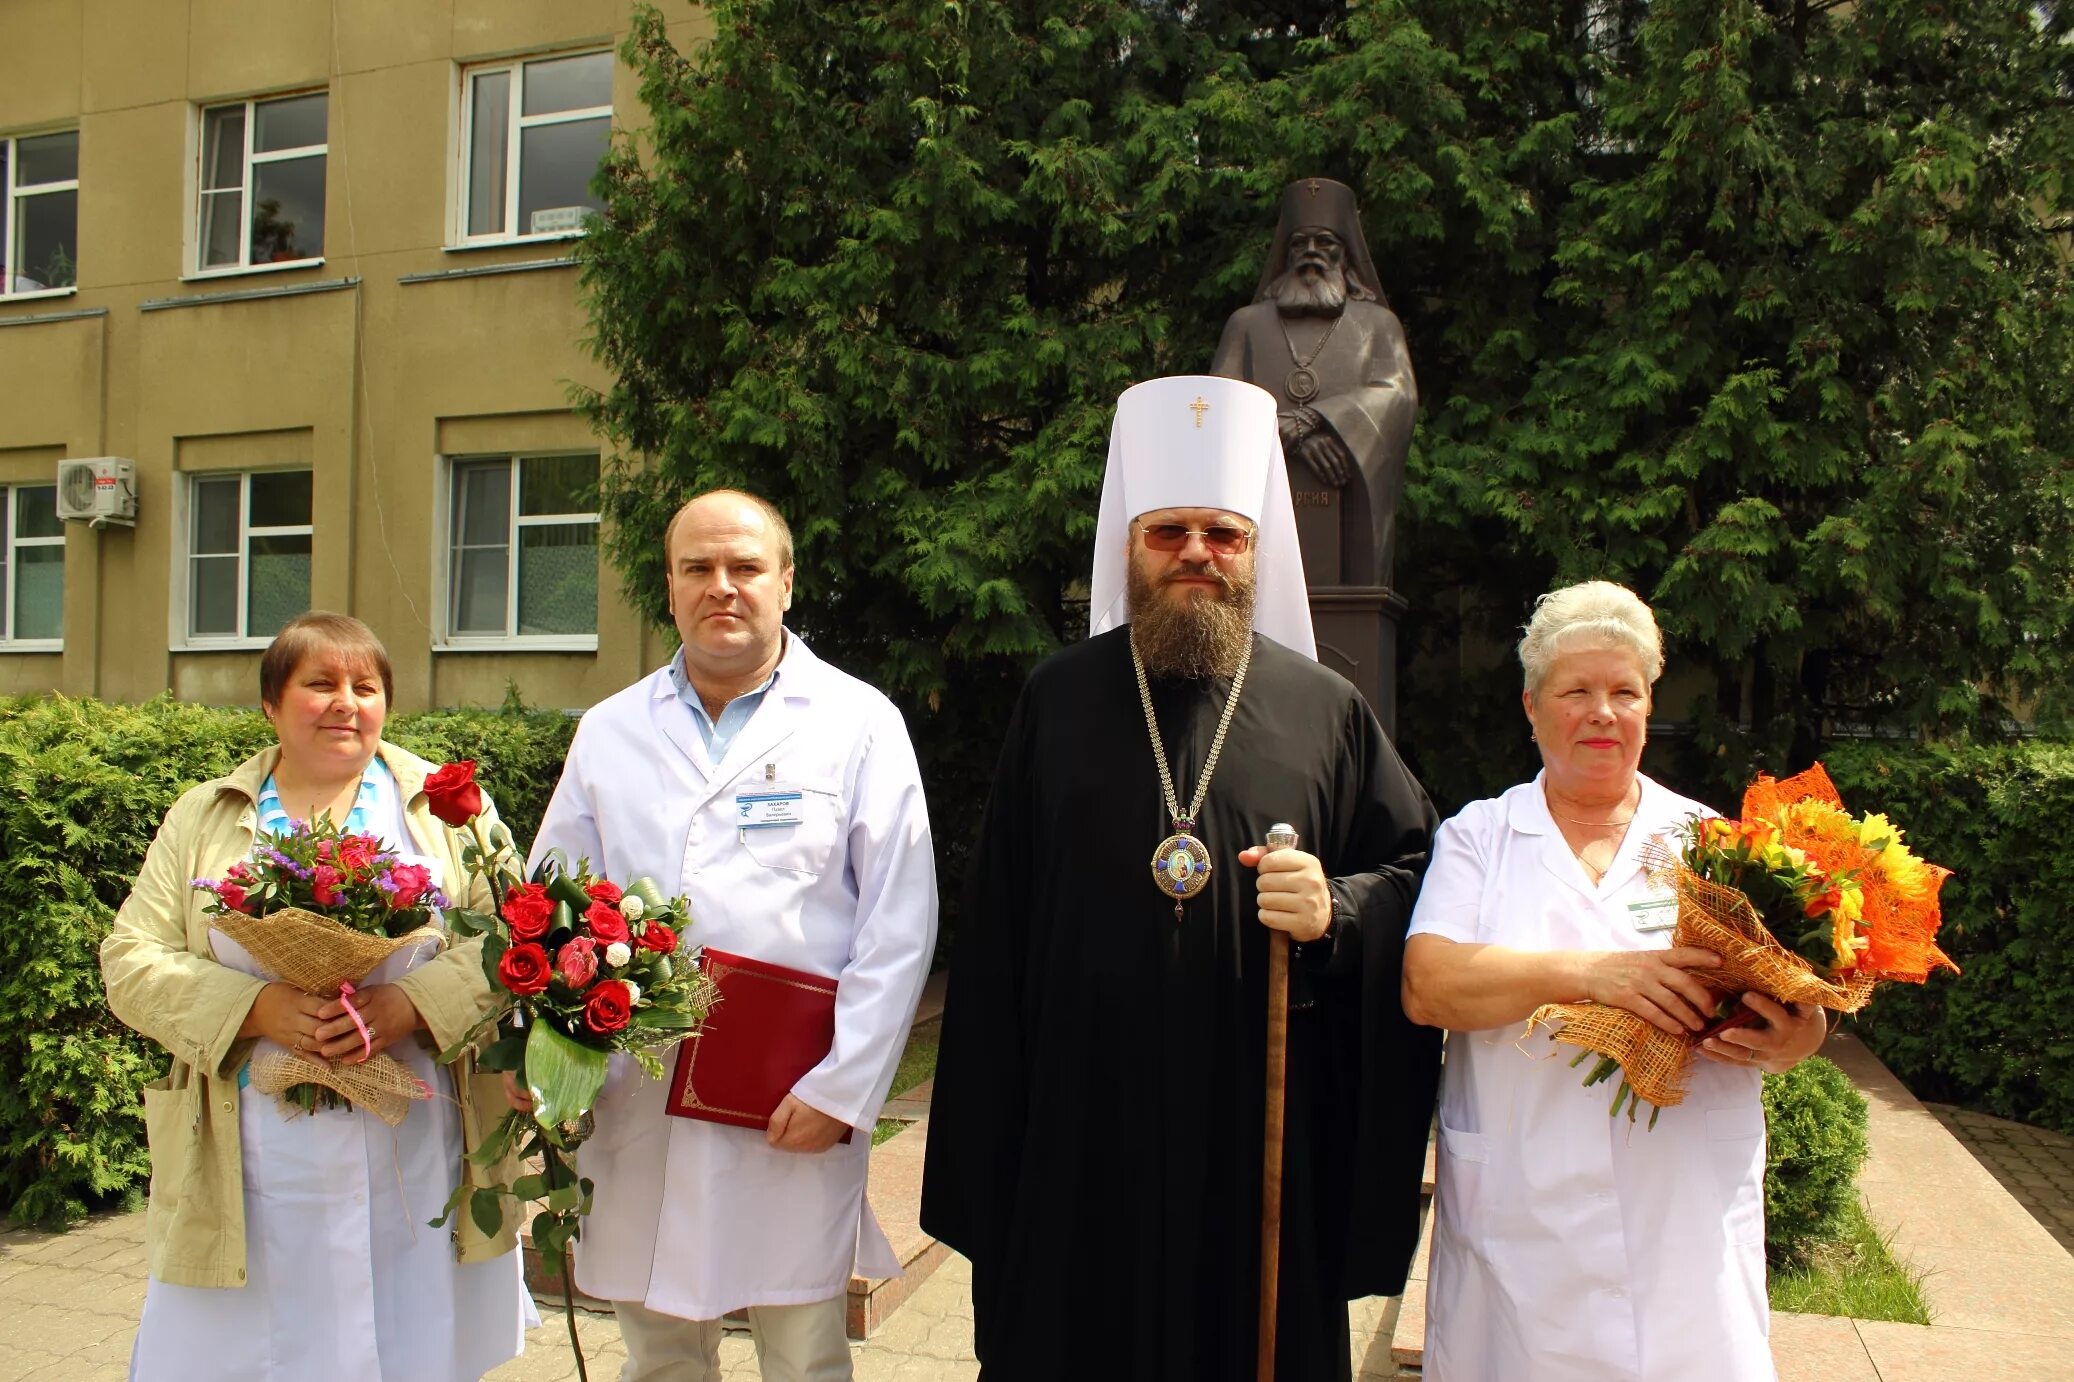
1802 901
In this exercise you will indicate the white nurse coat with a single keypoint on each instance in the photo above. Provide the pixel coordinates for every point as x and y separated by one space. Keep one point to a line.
696 1219
1569 1246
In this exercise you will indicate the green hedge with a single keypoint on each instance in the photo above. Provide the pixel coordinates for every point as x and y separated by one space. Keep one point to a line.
83 786
1998 1038
1814 1144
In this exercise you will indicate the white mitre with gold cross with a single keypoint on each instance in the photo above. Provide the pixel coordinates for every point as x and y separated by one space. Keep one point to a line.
1200 441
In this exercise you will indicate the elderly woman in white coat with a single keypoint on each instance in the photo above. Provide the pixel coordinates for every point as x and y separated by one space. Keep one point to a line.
1570 1246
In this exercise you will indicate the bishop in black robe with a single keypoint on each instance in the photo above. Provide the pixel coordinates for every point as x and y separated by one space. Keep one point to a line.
1095 1139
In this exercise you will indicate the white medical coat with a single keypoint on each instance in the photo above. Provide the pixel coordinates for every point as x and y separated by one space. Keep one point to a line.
695 1219
1569 1246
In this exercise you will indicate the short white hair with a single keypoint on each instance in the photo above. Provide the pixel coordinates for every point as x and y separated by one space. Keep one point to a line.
1592 614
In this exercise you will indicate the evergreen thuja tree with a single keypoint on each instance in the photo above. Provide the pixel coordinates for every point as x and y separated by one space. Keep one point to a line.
1800 372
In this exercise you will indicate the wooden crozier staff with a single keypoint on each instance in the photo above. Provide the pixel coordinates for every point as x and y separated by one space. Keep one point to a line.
1279 836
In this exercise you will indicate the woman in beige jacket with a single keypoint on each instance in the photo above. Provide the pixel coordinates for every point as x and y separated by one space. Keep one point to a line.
287 1245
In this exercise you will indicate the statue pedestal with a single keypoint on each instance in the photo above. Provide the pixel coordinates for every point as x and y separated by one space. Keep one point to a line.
1356 628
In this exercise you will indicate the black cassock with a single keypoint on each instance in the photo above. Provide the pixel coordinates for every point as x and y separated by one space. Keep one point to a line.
1095 1131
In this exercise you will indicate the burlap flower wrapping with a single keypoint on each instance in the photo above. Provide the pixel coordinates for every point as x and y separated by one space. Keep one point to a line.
317 954
1712 917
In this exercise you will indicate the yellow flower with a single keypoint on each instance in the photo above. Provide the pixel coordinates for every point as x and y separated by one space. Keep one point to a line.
1908 876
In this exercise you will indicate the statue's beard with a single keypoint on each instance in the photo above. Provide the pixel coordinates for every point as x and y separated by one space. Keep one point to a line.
1202 634
1308 291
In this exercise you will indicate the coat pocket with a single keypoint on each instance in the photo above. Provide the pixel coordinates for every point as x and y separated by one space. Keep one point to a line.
806 846
170 1132
1735 1146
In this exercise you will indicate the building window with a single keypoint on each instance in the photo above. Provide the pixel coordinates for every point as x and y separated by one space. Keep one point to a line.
524 548
32 566
39 242
532 135
260 192
248 563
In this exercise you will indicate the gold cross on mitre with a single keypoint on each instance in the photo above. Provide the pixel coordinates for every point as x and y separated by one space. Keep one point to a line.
1311 187
1199 407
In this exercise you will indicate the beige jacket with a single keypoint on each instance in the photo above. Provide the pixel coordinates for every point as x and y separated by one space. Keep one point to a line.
163 980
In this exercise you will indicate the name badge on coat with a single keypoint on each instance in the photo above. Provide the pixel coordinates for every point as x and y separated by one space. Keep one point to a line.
770 809
1653 914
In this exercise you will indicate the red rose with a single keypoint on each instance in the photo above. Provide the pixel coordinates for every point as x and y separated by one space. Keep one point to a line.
523 969
324 885
238 871
659 938
578 962
452 794
610 1007
603 921
412 881
606 891
528 910
231 895
356 853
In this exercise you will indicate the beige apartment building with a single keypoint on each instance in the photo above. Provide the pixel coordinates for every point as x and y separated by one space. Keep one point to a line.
306 264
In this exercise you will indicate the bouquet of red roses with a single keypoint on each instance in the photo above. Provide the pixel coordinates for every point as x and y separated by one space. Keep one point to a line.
321 908
584 968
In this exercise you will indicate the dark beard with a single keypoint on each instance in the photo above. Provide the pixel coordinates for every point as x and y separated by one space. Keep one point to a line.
1312 293
1201 636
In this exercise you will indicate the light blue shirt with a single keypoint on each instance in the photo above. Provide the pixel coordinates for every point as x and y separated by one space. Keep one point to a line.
733 715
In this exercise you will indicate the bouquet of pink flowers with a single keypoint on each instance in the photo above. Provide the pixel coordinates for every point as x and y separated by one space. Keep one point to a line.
321 908
319 867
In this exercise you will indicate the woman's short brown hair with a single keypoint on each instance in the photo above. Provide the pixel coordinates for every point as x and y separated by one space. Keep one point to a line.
321 631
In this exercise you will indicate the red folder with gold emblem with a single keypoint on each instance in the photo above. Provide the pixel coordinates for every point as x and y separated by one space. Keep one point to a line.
771 1026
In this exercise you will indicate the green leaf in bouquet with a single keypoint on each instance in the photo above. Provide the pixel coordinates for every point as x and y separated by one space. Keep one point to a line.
464 922
529 1187
493 948
563 1075
667 1019
453 1202
564 918
485 1208
544 1239
564 888
564 1199
552 864
652 899
507 1052
494 1147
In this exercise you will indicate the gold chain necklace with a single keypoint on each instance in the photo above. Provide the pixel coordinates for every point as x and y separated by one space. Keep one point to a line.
1181 865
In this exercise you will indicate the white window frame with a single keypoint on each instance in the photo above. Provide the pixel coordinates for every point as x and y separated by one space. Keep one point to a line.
197 247
464 145
451 639
13 192
8 642
185 638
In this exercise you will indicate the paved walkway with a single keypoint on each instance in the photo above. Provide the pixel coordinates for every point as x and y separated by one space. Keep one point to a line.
69 1304
2035 1166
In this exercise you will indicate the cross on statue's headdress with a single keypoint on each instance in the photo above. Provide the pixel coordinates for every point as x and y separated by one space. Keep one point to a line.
1323 202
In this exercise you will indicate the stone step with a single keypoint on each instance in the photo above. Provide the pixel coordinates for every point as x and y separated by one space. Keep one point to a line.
895 1190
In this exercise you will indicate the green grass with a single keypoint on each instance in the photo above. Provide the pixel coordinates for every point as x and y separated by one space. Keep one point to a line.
917 1063
1856 1275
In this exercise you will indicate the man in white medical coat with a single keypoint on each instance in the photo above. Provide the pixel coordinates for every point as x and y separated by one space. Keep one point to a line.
693 1220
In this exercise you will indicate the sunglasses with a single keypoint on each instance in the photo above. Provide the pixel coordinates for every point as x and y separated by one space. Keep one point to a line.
1223 539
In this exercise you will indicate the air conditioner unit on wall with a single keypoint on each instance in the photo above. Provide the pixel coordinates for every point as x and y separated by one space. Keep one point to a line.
98 490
